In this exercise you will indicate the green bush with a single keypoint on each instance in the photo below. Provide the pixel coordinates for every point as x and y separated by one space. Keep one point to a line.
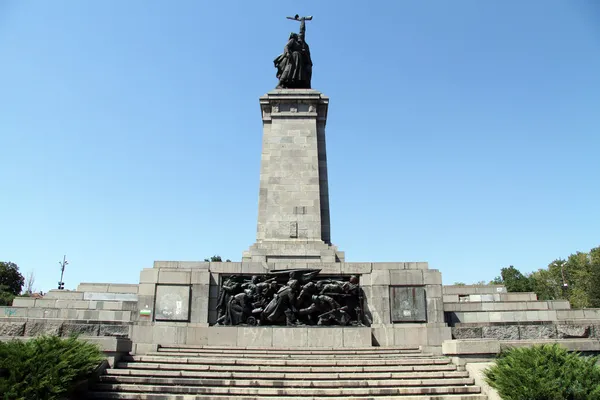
6 298
545 372
45 368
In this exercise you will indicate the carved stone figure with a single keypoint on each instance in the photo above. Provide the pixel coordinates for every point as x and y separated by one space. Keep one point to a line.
229 288
294 65
283 304
290 297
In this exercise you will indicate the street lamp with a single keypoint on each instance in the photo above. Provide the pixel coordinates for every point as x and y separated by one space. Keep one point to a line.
63 264
561 264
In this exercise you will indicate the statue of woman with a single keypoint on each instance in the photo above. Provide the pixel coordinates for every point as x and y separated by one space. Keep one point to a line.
294 65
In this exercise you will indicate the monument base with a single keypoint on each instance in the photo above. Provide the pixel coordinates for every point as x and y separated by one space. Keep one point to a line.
293 251
251 336
402 304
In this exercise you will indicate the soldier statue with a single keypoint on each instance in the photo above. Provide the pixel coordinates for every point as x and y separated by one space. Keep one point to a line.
294 65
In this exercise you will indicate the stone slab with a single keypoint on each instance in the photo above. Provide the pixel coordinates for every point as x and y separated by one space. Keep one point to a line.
464 347
172 302
12 328
64 295
476 371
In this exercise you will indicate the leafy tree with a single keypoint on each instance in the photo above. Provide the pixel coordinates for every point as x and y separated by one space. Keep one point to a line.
6 298
578 276
497 281
459 284
576 279
595 278
545 285
515 281
216 258
10 278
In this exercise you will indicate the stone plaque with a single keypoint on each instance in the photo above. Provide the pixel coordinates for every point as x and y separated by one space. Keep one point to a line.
172 303
408 304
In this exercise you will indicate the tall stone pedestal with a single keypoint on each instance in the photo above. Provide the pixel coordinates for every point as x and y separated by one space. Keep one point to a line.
293 204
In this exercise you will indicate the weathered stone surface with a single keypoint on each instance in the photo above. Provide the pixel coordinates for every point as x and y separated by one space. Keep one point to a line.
458 347
595 331
537 331
573 331
467 333
293 202
12 328
507 332
35 328
114 330
79 329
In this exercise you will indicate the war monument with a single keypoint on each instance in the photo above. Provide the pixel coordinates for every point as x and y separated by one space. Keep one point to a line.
293 318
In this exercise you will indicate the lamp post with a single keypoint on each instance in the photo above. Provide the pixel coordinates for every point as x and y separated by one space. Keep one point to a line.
63 264
565 285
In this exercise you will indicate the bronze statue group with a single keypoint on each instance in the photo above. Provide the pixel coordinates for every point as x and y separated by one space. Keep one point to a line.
305 299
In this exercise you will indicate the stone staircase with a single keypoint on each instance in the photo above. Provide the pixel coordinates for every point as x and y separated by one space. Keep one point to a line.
203 372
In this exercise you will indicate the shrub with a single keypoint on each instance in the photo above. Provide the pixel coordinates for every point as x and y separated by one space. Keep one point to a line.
545 372
6 298
45 368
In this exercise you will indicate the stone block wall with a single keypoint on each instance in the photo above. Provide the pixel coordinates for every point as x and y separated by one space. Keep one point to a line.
376 280
489 312
65 313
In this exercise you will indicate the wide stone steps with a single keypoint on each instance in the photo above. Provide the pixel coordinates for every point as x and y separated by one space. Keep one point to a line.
290 362
155 396
305 356
298 392
313 376
290 368
186 373
333 383
288 351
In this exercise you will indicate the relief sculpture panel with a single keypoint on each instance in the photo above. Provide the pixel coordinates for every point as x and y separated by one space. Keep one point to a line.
290 297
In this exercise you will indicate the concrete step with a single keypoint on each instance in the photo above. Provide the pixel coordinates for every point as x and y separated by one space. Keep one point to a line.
261 382
320 351
183 347
313 376
286 368
298 355
296 362
260 391
154 396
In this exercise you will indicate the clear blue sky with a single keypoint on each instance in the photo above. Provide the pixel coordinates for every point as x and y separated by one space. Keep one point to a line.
463 133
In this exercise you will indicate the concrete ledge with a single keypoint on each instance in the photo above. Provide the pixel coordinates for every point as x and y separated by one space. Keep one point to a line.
582 345
490 347
247 336
470 347
131 288
490 306
474 289
476 372
110 344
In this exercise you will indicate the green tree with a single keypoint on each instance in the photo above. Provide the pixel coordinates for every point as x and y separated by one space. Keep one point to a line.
545 285
11 280
497 281
216 258
595 277
515 281
578 276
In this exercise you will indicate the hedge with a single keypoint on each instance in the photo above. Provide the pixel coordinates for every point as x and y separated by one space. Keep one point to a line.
544 372
45 368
